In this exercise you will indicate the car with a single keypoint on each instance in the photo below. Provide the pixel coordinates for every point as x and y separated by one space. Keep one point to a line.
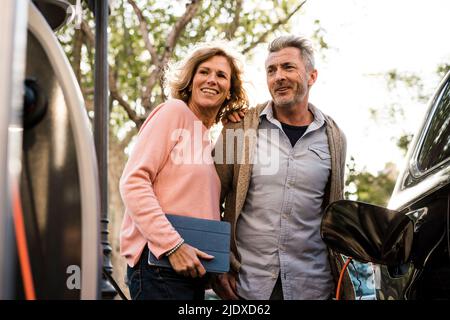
408 243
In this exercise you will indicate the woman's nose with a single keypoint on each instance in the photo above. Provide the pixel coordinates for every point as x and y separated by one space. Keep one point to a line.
211 78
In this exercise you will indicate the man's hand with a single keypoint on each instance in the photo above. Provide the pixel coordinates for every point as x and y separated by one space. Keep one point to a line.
224 285
185 261
234 116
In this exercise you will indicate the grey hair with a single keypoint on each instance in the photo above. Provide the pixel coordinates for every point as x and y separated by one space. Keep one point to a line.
299 42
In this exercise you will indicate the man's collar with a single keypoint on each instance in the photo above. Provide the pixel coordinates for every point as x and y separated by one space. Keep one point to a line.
319 118
267 112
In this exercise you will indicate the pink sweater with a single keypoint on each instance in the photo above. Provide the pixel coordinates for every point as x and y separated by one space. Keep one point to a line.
170 170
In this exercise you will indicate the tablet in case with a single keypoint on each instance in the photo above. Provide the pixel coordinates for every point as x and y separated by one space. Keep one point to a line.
210 236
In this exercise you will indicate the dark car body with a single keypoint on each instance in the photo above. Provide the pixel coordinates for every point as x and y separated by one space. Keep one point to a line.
409 263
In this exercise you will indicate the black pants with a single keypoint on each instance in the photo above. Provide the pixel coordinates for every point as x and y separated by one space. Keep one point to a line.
153 283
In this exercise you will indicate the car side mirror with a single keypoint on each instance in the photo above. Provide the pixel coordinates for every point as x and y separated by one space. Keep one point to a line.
367 232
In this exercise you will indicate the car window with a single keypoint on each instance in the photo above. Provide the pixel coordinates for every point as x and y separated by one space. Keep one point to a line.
436 145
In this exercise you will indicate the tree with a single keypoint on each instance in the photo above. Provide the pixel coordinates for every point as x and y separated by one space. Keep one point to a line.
364 186
144 36
411 86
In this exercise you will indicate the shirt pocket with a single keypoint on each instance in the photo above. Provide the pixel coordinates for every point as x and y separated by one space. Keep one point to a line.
321 151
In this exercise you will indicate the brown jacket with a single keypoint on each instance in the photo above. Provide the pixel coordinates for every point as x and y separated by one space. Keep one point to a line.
235 177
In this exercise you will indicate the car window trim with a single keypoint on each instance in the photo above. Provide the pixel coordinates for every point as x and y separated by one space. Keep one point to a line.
413 166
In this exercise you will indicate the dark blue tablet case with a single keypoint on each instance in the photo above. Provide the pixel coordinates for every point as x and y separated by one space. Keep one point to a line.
210 236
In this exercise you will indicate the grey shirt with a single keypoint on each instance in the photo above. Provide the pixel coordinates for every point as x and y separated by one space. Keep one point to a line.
278 230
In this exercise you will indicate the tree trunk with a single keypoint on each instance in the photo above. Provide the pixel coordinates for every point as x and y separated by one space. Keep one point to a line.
117 160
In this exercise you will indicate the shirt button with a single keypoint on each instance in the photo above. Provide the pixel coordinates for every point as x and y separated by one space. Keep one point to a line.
274 275
284 215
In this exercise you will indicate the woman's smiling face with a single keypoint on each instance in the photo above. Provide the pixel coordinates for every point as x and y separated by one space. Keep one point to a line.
211 83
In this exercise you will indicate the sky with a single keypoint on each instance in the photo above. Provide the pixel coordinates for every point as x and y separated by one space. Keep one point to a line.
367 39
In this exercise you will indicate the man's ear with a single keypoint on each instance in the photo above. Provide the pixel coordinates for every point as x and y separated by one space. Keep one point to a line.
312 77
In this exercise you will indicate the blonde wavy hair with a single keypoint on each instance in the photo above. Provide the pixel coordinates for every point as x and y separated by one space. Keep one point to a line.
179 76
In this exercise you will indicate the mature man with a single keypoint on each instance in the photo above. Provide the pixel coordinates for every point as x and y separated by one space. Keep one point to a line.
279 167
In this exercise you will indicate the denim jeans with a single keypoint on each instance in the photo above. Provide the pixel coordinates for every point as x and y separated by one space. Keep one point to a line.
147 282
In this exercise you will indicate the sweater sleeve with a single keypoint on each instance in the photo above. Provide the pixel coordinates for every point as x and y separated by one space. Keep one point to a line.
155 141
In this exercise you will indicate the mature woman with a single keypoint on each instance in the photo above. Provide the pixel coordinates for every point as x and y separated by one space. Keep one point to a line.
171 171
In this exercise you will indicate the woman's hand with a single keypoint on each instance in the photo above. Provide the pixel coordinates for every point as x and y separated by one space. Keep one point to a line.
185 260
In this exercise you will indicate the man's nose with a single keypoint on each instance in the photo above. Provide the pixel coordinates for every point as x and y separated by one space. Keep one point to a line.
280 75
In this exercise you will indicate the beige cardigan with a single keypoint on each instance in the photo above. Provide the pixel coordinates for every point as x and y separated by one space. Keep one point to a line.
235 178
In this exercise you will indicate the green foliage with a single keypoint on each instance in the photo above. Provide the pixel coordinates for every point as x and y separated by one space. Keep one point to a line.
319 35
403 142
396 80
442 69
364 186
408 85
405 89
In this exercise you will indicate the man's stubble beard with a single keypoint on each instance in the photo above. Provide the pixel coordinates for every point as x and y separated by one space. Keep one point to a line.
300 94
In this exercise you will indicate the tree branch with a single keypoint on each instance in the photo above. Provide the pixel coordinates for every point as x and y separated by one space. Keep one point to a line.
114 91
87 91
116 96
235 23
191 10
122 144
77 44
155 75
274 26
143 26
89 105
89 35
151 81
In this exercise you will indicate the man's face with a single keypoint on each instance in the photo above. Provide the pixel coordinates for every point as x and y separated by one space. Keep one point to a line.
287 78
